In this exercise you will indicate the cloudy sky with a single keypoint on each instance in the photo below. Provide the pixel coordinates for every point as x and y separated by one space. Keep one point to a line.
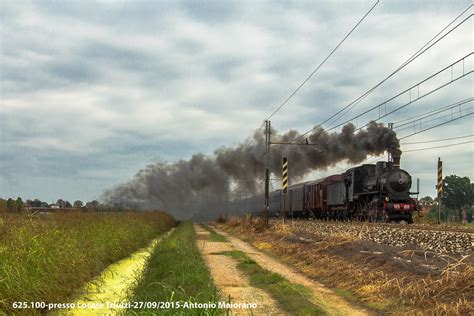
93 91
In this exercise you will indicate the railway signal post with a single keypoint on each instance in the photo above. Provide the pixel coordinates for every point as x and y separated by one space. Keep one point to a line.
284 186
440 187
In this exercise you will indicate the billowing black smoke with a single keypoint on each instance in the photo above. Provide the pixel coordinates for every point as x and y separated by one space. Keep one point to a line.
201 186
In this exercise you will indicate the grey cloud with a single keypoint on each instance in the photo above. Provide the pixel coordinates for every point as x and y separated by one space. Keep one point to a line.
212 11
83 52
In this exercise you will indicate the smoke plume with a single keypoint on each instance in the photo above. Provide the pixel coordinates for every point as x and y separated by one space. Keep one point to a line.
201 186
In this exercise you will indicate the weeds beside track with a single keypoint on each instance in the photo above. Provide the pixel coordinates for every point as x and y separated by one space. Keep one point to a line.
176 273
385 278
47 258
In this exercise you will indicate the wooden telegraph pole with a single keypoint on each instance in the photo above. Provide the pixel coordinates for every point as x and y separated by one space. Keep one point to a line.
440 187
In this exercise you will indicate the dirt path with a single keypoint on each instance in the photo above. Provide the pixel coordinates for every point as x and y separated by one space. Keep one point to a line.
111 285
232 284
322 296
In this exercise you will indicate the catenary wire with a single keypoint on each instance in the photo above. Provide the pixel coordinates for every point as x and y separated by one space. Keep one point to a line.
436 147
322 63
460 112
436 140
312 73
413 57
432 112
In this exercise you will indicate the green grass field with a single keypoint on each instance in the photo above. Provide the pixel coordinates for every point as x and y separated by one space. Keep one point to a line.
175 272
48 258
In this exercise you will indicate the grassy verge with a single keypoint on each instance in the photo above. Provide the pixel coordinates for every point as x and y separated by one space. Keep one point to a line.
213 236
176 273
293 298
47 258
371 275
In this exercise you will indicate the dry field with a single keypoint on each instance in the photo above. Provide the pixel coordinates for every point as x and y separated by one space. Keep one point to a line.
396 272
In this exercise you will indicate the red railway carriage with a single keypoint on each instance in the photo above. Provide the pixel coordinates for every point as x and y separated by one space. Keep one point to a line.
325 196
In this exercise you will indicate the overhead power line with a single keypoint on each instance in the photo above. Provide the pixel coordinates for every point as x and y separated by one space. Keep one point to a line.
379 106
410 102
322 63
313 72
420 124
347 109
441 124
436 140
250 140
423 49
436 147
432 112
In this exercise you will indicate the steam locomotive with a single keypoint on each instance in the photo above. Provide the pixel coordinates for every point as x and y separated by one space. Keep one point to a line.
371 192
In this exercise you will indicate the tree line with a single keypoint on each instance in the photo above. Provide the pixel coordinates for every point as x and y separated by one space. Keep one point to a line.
18 206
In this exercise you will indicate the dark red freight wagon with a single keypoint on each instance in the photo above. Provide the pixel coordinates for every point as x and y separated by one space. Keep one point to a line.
325 197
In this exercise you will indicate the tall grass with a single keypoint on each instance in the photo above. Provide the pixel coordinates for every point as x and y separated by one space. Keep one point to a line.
372 279
47 258
175 272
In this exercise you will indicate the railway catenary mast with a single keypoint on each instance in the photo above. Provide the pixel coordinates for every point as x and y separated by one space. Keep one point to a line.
267 170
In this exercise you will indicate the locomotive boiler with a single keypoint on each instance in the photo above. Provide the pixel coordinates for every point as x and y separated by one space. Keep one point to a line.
379 192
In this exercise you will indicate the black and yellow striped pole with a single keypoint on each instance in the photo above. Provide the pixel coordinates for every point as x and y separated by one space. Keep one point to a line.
440 187
285 175
284 185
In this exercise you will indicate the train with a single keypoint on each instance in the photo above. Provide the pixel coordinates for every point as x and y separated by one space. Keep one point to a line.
370 192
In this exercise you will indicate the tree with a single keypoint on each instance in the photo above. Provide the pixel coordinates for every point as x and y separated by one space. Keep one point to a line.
78 204
457 193
427 200
94 205
67 204
19 205
11 205
36 203
3 206
61 203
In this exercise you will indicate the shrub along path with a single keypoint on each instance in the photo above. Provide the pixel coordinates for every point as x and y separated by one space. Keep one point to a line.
319 295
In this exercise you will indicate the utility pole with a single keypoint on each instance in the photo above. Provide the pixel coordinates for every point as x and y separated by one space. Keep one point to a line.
268 142
440 187
267 170
390 125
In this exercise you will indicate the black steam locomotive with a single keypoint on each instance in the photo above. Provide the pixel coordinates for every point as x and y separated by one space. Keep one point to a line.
369 192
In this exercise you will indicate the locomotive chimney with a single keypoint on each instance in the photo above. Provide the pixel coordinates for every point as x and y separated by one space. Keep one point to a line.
396 160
